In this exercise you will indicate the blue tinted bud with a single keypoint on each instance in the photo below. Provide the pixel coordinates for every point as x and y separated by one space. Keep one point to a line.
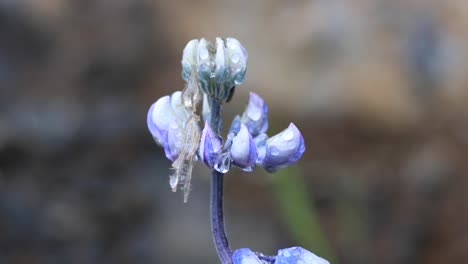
245 256
210 146
243 151
221 71
204 68
255 116
296 255
282 149
237 60
189 58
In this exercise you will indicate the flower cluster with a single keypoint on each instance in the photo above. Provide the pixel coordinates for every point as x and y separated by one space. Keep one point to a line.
247 144
211 72
293 255
218 67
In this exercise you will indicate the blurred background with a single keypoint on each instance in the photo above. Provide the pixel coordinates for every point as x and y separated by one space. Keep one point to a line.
378 88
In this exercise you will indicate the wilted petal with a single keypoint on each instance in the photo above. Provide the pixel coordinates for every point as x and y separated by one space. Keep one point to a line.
296 255
159 117
210 146
255 116
243 151
283 149
245 256
189 58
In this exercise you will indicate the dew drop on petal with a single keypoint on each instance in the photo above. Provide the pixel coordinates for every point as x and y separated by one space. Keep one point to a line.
274 152
224 163
249 168
288 134
204 54
235 58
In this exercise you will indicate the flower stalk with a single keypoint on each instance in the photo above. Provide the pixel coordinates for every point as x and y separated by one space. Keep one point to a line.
216 196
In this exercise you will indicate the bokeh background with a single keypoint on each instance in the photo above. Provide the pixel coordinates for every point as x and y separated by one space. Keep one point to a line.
378 88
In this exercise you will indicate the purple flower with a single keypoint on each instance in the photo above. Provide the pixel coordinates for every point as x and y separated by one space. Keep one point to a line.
255 116
292 255
296 255
282 149
210 146
166 122
243 150
245 256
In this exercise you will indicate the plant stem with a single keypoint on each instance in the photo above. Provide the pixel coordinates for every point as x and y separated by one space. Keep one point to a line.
216 196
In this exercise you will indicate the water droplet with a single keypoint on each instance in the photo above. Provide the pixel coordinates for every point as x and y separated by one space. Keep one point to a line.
274 152
204 54
235 58
288 134
224 163
249 168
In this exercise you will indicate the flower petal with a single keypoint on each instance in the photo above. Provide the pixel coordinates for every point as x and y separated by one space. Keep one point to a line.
189 58
159 117
237 60
210 146
295 255
255 116
245 256
283 149
243 151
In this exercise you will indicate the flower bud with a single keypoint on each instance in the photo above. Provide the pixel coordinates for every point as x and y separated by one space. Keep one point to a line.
189 58
204 68
243 151
210 146
295 255
255 116
219 67
282 149
221 72
166 121
237 60
245 256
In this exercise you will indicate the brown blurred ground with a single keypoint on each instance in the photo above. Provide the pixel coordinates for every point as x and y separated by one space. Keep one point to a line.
378 88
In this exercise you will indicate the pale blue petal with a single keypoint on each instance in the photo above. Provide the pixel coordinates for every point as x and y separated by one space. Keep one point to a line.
298 255
245 256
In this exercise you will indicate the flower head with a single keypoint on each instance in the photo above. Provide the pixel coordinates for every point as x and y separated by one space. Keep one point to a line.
218 67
